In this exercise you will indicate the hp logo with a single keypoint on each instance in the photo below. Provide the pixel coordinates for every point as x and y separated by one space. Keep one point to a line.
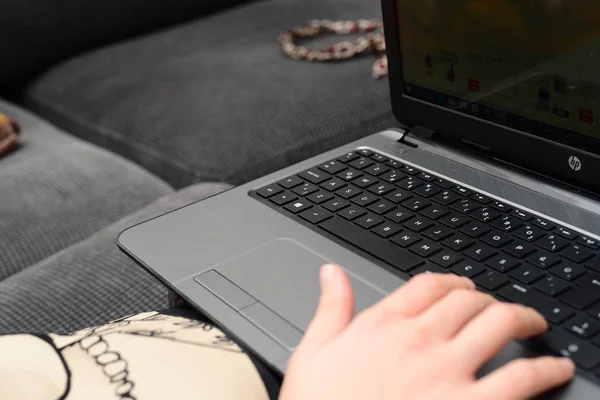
574 163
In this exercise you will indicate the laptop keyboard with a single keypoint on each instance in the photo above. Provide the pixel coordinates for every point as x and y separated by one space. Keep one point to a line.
416 222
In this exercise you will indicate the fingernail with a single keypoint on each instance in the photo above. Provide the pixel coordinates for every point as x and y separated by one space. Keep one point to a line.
567 364
327 275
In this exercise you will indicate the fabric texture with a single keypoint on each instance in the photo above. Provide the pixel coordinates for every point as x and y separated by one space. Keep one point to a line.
216 99
91 282
36 34
56 190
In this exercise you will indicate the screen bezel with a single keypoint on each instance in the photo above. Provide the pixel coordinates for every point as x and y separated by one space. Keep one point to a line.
525 150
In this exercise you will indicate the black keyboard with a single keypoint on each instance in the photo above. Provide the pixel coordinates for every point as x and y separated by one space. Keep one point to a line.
411 221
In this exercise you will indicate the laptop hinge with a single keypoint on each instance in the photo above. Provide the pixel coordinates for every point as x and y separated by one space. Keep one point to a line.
418 132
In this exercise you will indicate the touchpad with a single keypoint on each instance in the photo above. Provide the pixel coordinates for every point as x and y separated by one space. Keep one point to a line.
284 276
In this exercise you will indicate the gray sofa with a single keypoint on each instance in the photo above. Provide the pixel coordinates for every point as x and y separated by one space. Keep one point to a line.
161 110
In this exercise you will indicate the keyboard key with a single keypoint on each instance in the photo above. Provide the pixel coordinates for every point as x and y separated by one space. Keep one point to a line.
543 224
446 258
551 309
365 181
577 253
481 198
435 212
392 176
349 174
522 215
543 259
315 215
475 229
438 233
458 242
376 169
351 213
346 158
498 205
348 192
298 206
416 203
427 190
589 279
362 163
333 184
468 269
406 239
418 224
496 239
335 204
407 169
552 243
444 183
399 196
529 233
454 220
593 263
399 216
333 167
269 191
290 182
394 164
380 158
426 248
387 229
507 223
446 198
305 189
526 274
595 311
465 206
381 188
589 242
365 199
426 176
366 241
369 221
365 152
519 249
562 343
382 207
502 263
462 190
581 297
410 183
485 214
428 269
491 280
583 326
315 176
566 233
551 285
283 198
480 252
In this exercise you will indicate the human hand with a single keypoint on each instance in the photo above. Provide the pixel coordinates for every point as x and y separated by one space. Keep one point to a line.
425 341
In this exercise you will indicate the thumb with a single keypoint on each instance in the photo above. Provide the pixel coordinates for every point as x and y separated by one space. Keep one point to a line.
335 309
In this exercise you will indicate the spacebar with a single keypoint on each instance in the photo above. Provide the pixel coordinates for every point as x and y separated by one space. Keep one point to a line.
368 242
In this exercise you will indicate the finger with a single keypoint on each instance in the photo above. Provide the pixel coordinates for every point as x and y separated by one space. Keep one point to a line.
335 309
523 379
421 292
455 310
485 335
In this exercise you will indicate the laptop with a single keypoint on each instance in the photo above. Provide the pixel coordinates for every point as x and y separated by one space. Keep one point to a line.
491 173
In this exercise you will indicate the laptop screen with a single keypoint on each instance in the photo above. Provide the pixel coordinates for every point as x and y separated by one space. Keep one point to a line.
531 65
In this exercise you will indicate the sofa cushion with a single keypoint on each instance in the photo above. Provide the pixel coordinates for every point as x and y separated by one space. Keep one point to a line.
56 190
90 282
216 99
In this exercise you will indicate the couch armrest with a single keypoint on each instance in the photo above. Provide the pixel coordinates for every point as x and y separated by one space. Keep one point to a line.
36 34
